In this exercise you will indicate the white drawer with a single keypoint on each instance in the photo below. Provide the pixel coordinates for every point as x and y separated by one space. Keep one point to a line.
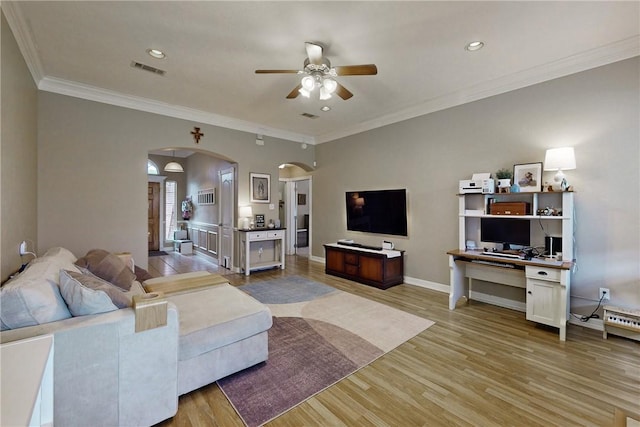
260 235
277 234
543 273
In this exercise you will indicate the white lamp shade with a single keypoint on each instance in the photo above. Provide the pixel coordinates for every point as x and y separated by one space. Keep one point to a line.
330 85
304 92
245 212
173 167
308 83
324 94
560 159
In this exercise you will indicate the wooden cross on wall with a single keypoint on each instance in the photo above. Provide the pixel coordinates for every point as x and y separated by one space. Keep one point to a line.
196 134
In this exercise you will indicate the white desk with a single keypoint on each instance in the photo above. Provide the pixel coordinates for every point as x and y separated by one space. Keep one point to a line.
252 247
27 382
547 283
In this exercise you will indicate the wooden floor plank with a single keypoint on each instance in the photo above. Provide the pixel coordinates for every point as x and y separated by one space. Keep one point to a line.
478 365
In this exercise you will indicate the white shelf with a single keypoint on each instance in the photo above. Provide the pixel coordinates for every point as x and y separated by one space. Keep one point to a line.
542 217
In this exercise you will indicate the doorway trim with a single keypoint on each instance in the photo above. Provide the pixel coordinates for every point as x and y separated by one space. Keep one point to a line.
291 208
160 179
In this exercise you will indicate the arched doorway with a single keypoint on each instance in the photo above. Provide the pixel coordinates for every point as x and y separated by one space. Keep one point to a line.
208 184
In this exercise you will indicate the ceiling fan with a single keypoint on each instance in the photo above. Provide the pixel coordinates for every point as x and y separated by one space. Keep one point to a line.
319 74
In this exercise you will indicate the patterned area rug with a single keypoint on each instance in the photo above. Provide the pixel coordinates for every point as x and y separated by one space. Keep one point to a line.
320 335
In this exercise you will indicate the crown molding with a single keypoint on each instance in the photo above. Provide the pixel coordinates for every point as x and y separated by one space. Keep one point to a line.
614 52
592 58
92 93
22 33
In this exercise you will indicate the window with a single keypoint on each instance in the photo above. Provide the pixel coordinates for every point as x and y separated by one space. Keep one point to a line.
170 209
152 168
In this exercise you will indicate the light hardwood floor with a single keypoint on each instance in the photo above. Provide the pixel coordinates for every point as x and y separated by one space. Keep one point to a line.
479 365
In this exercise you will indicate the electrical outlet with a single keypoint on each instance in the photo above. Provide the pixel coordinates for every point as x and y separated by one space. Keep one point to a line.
23 247
604 294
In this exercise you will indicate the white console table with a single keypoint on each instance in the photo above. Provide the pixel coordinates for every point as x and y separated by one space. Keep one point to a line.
253 248
27 382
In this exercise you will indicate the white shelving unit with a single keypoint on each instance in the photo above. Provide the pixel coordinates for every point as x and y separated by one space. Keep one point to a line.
547 286
472 207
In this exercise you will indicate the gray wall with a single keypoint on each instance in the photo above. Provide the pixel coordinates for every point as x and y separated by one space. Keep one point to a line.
202 173
93 177
595 111
18 145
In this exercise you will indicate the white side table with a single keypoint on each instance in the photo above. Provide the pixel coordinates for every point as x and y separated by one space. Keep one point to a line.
27 382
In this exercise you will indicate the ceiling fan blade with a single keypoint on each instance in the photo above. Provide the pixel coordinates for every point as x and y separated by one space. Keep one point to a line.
357 70
295 92
314 52
277 71
343 92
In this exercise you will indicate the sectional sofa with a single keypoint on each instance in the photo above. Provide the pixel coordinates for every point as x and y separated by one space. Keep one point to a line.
107 374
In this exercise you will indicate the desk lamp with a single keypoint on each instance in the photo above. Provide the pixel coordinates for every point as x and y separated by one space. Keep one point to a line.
559 159
245 213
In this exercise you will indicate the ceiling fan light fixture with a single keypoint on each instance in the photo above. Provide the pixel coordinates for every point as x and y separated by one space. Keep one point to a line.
304 92
330 85
308 83
324 94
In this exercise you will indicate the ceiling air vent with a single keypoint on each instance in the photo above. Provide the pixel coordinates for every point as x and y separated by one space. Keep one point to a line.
309 115
149 68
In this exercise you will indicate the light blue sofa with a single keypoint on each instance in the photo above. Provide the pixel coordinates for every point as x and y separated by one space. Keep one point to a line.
106 374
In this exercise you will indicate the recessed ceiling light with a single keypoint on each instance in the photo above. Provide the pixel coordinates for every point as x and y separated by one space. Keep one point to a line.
326 108
476 45
158 54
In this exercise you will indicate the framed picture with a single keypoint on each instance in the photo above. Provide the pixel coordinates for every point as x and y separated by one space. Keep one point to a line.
302 199
528 176
260 187
259 221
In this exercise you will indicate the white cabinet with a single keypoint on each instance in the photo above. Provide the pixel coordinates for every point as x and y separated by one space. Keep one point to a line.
547 297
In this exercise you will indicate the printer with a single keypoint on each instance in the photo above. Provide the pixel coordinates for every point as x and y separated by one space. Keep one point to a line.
480 183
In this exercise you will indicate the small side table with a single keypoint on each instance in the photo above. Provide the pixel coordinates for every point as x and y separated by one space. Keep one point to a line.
27 382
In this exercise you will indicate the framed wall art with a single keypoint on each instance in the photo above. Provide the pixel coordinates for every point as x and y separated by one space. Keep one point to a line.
528 176
260 187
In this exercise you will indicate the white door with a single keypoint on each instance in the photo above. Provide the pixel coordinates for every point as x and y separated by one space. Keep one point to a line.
227 216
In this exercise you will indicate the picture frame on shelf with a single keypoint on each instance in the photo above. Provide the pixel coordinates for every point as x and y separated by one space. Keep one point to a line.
260 187
528 176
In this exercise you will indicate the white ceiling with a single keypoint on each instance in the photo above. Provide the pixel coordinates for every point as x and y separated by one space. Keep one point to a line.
85 48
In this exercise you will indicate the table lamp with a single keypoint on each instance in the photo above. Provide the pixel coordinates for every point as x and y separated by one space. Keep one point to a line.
245 213
560 159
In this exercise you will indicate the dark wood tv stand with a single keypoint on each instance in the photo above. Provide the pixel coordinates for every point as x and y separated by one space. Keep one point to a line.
371 267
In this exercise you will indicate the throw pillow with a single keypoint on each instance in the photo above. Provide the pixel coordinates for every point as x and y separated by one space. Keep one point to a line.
86 294
33 297
109 267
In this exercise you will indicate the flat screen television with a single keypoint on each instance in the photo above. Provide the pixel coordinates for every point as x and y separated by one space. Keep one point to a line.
377 211
506 231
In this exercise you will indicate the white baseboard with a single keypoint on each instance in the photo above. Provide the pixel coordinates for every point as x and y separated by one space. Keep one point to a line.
434 286
596 324
317 259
